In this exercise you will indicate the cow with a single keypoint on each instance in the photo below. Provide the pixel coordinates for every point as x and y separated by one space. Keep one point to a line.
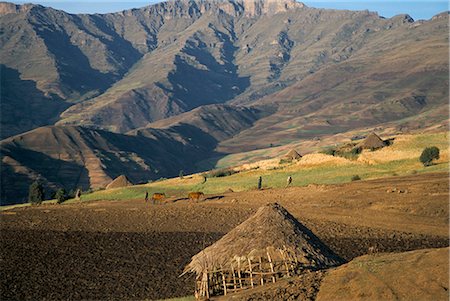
197 195
158 196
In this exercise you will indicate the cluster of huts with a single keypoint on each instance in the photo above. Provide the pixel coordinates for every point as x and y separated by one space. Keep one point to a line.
372 142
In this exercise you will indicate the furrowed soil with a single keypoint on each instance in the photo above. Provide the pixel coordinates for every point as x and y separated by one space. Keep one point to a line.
132 250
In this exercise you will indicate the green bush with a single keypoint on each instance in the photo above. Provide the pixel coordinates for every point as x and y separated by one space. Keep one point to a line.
60 195
36 193
329 151
356 151
285 161
356 178
428 155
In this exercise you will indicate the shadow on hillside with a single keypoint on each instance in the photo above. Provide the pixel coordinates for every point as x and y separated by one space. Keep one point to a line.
220 81
74 67
52 173
23 106
179 148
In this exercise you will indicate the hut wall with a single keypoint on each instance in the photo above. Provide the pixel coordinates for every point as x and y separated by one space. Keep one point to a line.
245 273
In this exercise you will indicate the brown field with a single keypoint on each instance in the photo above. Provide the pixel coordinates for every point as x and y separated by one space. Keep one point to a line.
116 250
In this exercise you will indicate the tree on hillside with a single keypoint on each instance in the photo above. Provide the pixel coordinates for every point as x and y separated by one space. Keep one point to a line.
36 193
428 155
61 195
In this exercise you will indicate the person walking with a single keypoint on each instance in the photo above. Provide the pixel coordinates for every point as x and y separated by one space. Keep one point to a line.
289 181
146 196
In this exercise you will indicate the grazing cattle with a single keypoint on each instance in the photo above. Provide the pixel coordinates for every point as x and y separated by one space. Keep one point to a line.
158 197
195 195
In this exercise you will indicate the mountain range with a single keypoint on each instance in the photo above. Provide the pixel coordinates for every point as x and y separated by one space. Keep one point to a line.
149 92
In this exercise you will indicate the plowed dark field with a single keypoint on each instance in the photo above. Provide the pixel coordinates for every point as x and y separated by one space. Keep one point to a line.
131 250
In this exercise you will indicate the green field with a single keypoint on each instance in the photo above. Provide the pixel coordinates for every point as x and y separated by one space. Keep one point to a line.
320 174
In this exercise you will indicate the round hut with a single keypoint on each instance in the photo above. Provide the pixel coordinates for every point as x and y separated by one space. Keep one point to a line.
269 245
292 155
373 141
120 181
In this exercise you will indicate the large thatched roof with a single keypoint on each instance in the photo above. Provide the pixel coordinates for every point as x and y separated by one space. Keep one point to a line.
270 229
120 181
372 141
292 155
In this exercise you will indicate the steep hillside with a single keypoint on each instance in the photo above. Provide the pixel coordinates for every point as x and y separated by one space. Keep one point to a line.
72 157
58 57
76 157
399 78
219 121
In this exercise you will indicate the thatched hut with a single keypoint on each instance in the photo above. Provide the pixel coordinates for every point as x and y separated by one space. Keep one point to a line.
120 181
269 245
373 141
292 155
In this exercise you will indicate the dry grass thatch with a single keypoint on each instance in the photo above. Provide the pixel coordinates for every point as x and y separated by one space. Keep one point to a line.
292 155
271 231
372 141
120 181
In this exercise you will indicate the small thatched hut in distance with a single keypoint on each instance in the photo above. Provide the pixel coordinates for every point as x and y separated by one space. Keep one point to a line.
373 141
269 245
120 181
292 155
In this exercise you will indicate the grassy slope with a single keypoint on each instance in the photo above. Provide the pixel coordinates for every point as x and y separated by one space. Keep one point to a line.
399 159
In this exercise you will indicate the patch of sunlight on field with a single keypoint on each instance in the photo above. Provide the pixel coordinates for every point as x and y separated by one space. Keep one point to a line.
14 206
407 146
322 159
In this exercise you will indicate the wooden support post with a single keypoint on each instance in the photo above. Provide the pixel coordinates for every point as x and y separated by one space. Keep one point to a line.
261 268
285 263
224 282
239 272
207 284
234 277
251 272
271 266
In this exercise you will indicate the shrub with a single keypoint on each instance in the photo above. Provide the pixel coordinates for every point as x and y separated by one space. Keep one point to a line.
60 195
428 155
355 151
285 161
224 172
329 151
36 193
356 178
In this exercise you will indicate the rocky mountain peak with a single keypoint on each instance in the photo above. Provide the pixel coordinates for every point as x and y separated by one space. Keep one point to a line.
268 7
11 8
249 8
